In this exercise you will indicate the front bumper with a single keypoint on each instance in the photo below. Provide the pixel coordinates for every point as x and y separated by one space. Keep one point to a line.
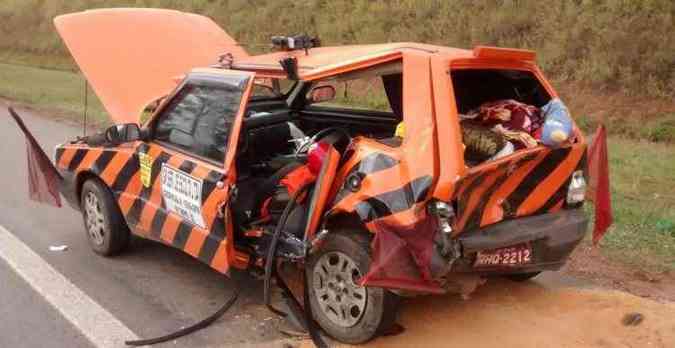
552 237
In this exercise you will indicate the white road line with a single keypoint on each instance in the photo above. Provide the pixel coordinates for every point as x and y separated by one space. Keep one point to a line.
95 323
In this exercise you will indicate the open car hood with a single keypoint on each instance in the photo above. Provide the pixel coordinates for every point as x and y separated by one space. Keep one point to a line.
131 57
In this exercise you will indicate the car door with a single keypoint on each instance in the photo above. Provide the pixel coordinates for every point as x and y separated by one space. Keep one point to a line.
186 166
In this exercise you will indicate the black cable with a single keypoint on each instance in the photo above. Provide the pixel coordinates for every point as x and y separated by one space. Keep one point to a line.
188 330
271 251
306 313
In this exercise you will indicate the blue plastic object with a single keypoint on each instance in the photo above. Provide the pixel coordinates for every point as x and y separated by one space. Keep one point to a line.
558 124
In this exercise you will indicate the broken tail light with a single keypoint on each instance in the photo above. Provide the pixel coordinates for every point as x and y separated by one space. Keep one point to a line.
576 192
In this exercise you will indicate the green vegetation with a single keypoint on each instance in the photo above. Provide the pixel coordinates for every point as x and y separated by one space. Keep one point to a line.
612 44
60 92
611 49
643 198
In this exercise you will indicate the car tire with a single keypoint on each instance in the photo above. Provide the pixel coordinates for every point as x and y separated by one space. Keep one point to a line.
365 311
521 277
106 229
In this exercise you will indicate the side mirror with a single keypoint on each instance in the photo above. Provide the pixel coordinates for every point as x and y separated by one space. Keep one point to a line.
322 94
123 133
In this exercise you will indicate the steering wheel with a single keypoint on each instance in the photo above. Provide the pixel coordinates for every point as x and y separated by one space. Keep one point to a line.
304 147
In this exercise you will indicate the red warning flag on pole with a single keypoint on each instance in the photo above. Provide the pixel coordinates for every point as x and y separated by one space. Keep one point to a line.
44 180
598 188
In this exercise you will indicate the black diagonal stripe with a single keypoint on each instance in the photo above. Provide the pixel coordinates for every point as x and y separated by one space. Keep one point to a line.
209 248
124 176
555 198
157 223
217 231
395 201
136 210
102 161
134 214
561 193
77 159
58 154
142 148
372 163
154 173
209 184
182 235
376 162
463 199
476 216
534 178
187 166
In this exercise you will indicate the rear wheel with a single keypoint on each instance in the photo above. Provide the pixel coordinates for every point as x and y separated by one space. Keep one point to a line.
344 310
106 229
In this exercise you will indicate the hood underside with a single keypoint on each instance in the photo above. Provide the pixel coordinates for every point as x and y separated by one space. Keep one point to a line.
131 57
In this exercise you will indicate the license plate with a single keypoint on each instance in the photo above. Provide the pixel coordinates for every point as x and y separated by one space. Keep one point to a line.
514 255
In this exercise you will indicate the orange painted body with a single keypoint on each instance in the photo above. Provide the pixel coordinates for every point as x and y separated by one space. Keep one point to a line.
399 180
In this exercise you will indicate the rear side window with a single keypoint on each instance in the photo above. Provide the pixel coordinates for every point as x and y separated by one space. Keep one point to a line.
199 118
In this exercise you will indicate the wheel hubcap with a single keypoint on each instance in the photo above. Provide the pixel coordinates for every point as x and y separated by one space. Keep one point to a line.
340 298
94 218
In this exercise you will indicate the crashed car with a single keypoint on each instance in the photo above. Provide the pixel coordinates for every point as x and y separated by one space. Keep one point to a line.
254 162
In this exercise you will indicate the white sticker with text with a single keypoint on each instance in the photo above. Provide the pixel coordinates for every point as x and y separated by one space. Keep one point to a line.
182 194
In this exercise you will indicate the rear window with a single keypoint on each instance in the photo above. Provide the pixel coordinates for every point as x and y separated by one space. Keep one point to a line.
474 87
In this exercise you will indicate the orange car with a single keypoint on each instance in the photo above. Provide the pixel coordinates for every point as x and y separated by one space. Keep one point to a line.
267 162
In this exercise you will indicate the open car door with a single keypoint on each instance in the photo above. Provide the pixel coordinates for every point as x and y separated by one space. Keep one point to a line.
131 57
181 194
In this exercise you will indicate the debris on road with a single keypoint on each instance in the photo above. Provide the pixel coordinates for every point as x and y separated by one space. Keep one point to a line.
58 247
632 319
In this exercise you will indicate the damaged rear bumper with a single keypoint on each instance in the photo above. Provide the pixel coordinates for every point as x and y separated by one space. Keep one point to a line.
552 238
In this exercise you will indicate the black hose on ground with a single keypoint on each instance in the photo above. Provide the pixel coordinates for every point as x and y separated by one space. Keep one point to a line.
271 251
306 314
188 330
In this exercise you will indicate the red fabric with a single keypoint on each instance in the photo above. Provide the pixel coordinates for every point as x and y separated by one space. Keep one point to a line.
401 257
511 114
44 180
598 188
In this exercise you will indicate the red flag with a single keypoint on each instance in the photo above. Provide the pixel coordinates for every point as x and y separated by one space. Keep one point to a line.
44 180
598 188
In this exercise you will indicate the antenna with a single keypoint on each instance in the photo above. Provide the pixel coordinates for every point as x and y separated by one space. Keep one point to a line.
86 105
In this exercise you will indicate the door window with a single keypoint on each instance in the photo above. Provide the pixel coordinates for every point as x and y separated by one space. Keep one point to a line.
199 118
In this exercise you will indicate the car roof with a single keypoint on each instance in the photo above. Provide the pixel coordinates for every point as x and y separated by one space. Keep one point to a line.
323 60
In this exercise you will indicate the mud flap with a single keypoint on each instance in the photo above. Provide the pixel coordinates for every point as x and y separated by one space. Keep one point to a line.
44 181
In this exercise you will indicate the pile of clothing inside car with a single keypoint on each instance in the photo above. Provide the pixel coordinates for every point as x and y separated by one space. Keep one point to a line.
498 128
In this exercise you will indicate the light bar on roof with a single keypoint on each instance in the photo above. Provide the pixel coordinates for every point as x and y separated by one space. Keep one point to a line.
503 53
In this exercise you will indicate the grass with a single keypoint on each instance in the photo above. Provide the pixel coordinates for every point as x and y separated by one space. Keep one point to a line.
642 172
612 44
57 91
643 190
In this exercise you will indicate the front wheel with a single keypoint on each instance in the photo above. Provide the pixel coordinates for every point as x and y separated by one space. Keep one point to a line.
346 311
106 229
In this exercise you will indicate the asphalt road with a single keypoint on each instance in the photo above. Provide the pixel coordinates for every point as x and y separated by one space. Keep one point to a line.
152 289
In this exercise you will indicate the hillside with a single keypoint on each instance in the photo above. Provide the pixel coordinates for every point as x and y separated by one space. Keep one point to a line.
610 44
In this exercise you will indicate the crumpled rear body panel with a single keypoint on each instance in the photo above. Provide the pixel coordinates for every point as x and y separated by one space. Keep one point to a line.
529 182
